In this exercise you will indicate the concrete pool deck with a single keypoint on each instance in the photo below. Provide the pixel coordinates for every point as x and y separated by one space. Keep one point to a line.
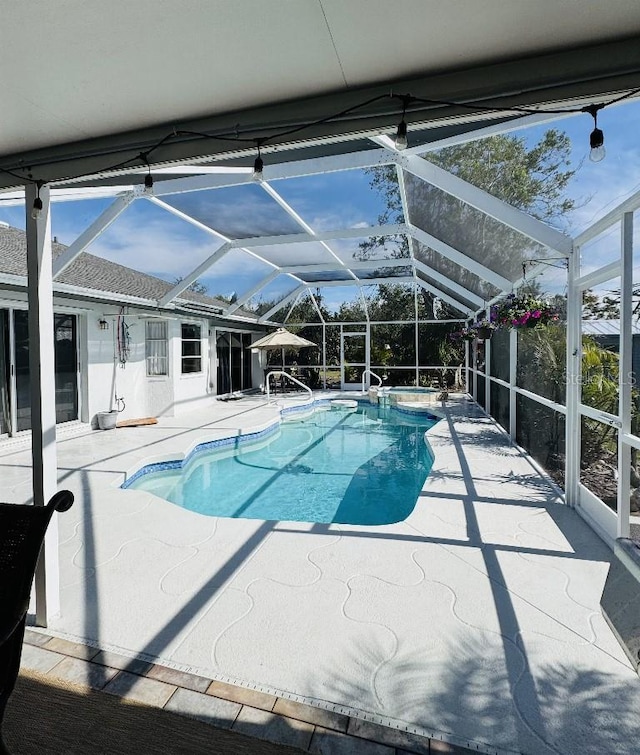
475 620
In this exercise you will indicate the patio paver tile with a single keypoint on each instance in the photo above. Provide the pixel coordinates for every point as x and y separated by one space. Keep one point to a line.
274 728
319 716
39 659
35 638
115 660
178 678
132 687
444 748
327 742
84 673
212 710
385 735
75 649
242 695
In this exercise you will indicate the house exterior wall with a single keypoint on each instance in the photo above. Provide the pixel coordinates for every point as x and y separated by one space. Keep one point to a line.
109 368
111 373
191 391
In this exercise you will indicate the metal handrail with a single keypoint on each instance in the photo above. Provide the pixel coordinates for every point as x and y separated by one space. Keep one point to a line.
290 377
373 374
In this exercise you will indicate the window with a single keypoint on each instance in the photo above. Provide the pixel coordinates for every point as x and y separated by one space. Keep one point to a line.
191 348
156 347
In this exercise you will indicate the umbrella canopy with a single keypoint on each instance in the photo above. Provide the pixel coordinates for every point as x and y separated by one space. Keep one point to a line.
281 339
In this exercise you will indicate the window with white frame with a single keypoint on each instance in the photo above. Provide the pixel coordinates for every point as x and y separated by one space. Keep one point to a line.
156 348
191 348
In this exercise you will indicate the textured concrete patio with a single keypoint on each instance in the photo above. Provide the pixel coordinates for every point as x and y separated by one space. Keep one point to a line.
476 619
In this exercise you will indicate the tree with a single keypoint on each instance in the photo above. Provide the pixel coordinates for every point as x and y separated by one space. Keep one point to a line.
533 179
596 307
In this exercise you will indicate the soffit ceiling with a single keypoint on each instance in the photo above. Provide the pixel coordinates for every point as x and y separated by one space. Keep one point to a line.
85 77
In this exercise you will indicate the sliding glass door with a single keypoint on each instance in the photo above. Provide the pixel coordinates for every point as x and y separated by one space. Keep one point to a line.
66 370
234 362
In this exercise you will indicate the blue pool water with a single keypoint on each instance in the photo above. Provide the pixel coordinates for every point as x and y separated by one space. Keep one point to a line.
353 467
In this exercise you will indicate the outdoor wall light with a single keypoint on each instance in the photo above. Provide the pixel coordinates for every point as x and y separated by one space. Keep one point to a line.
104 325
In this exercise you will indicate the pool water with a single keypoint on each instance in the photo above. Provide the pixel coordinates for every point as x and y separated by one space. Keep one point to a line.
353 467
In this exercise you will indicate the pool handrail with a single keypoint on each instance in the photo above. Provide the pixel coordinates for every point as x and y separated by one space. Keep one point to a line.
290 377
373 374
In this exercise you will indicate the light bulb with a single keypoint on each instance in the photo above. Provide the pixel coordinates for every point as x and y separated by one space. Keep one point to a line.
37 208
401 136
596 142
148 183
258 165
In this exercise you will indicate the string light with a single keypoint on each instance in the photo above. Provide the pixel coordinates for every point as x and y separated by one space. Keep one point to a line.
148 179
596 138
36 210
258 165
401 134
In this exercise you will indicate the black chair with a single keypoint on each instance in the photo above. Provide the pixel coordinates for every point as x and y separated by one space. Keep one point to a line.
22 530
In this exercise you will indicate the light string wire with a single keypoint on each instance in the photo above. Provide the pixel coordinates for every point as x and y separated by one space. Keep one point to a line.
141 158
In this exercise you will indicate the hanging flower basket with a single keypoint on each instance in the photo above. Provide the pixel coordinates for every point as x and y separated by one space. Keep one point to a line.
466 334
524 311
484 332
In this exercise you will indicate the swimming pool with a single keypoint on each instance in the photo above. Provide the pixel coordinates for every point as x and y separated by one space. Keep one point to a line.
362 466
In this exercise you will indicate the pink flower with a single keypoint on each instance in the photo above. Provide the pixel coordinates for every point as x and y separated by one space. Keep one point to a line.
536 313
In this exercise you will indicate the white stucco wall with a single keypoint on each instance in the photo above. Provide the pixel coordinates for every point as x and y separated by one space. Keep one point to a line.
103 375
144 396
107 375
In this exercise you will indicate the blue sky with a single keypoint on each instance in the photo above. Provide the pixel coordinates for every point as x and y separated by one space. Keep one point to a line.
151 240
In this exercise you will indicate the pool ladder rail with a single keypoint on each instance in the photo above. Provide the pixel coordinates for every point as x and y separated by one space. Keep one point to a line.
366 372
282 374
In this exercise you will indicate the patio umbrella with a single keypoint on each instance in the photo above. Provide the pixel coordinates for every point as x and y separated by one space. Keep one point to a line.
280 339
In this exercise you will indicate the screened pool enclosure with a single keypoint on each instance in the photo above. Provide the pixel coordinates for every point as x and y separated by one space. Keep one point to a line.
381 299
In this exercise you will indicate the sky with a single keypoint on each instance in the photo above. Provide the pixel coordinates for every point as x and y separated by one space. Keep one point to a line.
154 241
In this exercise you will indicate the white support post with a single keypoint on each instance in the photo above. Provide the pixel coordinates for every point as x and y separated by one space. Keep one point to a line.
467 372
324 355
513 377
625 374
474 362
574 373
415 330
487 369
43 395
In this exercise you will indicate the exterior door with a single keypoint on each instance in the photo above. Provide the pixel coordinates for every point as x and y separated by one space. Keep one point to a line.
66 369
353 360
